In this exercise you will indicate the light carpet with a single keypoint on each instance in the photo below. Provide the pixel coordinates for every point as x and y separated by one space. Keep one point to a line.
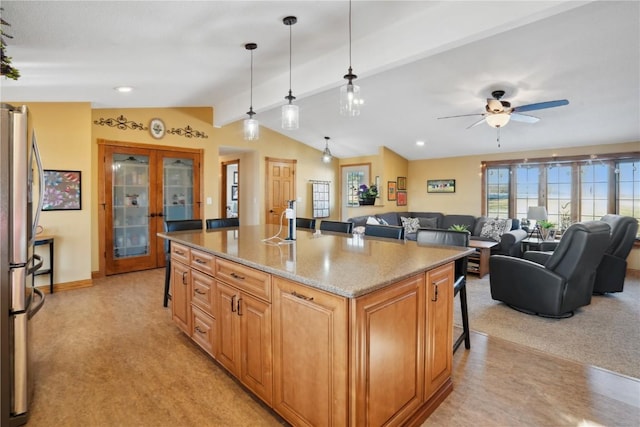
605 333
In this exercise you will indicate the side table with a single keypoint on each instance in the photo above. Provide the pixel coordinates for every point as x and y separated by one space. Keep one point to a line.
46 240
479 261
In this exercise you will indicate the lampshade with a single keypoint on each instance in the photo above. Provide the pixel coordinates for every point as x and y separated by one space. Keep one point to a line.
498 120
251 129
537 213
326 154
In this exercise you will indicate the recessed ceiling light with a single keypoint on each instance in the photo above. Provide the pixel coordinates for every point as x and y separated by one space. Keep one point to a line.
124 89
420 143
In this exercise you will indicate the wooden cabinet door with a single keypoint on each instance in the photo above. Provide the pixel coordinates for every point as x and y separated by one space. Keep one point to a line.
228 327
388 356
181 296
256 364
310 336
439 348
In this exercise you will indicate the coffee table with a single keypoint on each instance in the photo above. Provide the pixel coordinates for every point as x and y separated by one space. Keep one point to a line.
479 261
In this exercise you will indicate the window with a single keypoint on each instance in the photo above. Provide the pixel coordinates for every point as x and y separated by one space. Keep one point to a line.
558 191
527 184
576 188
498 192
352 177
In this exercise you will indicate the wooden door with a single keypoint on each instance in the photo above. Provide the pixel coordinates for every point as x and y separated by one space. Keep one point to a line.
255 346
439 327
310 348
129 201
281 187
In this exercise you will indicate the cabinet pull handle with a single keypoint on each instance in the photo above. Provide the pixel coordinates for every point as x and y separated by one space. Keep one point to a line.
177 252
198 291
436 292
184 277
297 295
199 261
236 276
233 308
197 328
239 312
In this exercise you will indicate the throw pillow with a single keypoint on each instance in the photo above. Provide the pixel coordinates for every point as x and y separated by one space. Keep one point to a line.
373 221
358 230
428 222
382 221
410 225
494 229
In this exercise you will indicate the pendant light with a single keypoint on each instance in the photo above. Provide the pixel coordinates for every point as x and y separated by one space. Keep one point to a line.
350 100
251 125
290 113
326 154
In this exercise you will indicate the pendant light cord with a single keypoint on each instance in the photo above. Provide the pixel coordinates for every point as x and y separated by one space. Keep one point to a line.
290 60
251 86
349 34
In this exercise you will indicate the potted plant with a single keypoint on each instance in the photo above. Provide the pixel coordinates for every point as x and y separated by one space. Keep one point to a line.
459 227
6 69
367 195
545 227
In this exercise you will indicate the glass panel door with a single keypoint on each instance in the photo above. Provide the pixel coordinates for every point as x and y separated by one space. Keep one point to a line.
178 192
130 205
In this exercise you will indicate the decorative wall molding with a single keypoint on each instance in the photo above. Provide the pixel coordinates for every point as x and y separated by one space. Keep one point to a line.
188 132
121 123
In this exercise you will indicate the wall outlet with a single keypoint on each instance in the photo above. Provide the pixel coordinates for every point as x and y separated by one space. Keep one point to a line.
209 201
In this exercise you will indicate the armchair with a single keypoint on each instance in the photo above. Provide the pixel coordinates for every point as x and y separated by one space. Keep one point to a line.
552 284
613 267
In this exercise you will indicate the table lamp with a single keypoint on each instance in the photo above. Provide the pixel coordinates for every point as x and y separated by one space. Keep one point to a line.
538 213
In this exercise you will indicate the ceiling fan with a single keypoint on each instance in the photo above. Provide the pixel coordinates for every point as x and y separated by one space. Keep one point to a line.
498 113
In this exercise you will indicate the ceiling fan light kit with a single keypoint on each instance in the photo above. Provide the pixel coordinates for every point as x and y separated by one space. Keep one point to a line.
251 127
290 111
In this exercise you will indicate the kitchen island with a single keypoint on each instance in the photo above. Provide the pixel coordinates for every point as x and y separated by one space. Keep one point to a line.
330 329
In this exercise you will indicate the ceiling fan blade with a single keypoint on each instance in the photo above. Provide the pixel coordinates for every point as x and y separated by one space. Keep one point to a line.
525 118
462 115
476 123
541 105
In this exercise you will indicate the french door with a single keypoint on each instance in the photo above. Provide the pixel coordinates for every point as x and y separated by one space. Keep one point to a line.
143 187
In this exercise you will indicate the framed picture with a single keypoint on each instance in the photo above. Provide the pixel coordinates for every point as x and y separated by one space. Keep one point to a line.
441 186
552 234
391 190
235 177
234 192
402 183
62 190
401 199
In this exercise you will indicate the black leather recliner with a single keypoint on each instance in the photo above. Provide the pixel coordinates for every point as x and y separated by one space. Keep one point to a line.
552 284
613 267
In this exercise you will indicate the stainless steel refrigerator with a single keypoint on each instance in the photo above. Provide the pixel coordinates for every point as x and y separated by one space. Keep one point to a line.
20 174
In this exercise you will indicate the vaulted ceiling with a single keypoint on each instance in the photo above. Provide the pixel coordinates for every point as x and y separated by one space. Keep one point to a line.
415 60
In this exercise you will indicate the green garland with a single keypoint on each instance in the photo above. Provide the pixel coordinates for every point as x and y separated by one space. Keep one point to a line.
5 61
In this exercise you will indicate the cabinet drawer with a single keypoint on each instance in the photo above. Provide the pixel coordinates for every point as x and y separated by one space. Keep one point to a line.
180 252
202 261
203 292
204 330
250 280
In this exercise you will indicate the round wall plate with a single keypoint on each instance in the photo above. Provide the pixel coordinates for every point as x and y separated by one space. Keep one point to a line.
156 127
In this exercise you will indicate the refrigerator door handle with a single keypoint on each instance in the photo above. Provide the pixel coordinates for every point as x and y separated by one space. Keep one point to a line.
36 266
41 183
33 309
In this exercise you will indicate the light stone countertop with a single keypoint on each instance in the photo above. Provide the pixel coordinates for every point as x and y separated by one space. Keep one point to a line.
342 264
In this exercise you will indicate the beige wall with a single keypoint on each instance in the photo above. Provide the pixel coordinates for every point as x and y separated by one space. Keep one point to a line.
63 137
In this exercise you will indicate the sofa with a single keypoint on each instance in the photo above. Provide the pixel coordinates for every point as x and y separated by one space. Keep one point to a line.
508 241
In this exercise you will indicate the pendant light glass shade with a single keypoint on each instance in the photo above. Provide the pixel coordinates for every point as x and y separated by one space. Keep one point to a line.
350 99
326 154
290 112
251 125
